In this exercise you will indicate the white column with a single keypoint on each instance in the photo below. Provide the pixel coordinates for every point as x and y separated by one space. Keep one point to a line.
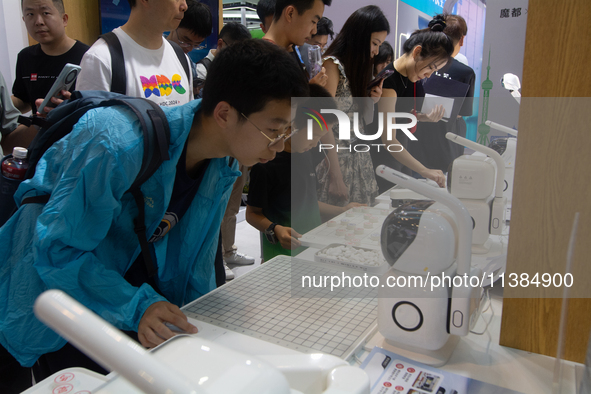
13 37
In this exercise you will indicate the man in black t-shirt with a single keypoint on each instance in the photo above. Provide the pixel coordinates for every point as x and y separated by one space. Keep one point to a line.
38 66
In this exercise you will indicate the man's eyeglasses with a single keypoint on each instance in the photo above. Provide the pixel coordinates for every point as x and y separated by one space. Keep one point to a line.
188 45
274 141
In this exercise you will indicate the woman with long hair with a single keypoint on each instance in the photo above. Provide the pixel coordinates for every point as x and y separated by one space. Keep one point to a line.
425 52
349 67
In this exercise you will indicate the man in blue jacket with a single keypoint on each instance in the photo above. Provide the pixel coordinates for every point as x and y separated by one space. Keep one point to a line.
82 241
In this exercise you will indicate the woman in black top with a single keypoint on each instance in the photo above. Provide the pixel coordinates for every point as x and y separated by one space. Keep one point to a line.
425 52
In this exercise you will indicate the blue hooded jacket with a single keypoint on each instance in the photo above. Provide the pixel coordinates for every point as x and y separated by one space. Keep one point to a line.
82 241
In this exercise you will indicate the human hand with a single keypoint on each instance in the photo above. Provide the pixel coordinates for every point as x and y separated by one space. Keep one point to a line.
288 237
435 175
376 92
337 188
436 114
152 330
321 78
54 102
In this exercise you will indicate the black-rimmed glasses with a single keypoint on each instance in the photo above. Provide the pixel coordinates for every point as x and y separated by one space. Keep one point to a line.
188 45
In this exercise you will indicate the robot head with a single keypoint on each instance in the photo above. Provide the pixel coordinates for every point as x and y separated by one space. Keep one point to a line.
511 82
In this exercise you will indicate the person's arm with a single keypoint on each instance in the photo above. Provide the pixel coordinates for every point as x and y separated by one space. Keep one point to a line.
261 194
287 236
388 104
97 170
21 136
8 112
20 104
336 186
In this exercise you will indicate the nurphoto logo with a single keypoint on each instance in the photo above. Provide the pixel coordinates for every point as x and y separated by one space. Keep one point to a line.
345 129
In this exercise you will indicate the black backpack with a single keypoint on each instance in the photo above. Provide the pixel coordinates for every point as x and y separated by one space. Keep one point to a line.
59 123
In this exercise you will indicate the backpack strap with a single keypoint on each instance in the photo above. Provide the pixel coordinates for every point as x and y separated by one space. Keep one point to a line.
182 57
41 199
206 62
156 133
118 77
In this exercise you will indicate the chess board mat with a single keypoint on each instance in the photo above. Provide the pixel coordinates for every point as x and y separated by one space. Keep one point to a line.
268 303
323 235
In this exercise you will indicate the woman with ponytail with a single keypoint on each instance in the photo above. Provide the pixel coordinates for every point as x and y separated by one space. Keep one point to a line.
349 67
425 52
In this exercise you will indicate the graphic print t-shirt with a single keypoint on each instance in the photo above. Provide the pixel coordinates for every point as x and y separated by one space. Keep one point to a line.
155 74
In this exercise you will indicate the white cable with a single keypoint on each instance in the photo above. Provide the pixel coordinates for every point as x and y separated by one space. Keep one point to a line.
491 317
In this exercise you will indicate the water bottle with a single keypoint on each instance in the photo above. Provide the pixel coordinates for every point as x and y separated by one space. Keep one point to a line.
315 57
15 167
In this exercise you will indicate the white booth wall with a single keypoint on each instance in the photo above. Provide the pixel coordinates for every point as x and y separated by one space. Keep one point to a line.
13 37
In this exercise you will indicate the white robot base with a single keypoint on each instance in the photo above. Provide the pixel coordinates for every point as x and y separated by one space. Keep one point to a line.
435 358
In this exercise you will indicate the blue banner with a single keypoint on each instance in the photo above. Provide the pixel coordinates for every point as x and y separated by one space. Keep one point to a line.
429 7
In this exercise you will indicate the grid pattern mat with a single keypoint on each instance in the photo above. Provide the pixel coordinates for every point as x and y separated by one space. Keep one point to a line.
260 304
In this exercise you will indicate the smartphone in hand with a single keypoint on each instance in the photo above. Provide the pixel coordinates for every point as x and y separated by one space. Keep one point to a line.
385 73
63 82
315 58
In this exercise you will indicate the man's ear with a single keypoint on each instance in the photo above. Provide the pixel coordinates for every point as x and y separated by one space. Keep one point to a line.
289 13
462 41
65 18
224 115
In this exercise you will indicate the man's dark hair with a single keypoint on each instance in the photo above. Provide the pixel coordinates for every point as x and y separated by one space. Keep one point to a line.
59 4
265 8
455 27
233 32
300 5
352 46
197 18
131 3
251 73
324 28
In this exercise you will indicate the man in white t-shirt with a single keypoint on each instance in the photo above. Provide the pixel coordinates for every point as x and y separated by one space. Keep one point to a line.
152 68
